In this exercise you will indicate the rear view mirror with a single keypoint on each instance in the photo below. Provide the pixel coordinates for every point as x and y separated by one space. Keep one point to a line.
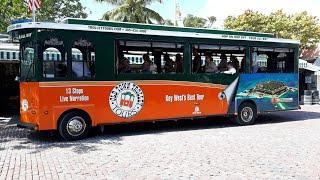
17 78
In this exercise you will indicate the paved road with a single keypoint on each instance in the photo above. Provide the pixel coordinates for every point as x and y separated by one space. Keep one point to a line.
280 146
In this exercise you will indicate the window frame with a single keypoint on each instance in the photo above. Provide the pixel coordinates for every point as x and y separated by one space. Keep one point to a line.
63 51
30 73
14 56
72 45
2 55
8 54
148 40
291 50
49 59
219 44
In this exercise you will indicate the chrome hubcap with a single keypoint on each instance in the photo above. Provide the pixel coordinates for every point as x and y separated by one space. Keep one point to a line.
76 126
247 114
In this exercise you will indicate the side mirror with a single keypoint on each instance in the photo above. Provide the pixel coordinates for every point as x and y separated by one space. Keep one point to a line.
17 78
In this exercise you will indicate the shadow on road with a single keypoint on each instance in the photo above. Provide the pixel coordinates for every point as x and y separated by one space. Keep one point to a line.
280 117
113 134
205 123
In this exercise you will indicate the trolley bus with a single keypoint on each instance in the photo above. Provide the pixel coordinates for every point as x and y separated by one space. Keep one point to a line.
128 72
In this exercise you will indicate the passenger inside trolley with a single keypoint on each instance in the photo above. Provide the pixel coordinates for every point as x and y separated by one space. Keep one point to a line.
223 65
231 69
124 66
196 61
169 64
146 64
210 66
178 64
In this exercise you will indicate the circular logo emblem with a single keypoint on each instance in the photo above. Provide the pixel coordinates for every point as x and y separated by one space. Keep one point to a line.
126 99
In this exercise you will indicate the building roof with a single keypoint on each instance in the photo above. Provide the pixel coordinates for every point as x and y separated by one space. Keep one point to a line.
4 38
317 62
9 46
303 64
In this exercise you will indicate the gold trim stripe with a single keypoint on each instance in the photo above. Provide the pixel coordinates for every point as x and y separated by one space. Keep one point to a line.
144 82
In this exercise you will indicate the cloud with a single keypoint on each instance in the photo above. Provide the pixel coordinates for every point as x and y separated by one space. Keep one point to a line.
224 8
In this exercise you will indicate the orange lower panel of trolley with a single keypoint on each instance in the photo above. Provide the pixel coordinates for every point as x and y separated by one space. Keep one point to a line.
116 102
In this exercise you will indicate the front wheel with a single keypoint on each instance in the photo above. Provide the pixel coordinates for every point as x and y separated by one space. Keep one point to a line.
74 126
247 114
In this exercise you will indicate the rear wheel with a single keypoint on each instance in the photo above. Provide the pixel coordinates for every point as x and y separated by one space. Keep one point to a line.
74 126
247 114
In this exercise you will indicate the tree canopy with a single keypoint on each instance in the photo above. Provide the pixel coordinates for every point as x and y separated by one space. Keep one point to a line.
56 10
132 11
50 10
168 22
300 26
199 22
9 10
212 20
194 21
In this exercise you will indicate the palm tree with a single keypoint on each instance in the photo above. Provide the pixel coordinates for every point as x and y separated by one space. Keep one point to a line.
168 22
212 19
132 11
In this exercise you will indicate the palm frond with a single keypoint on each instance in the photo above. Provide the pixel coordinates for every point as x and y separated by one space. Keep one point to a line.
106 16
132 11
113 2
153 15
147 2
121 13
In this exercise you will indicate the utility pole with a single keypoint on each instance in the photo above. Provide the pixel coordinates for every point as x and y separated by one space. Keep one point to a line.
175 13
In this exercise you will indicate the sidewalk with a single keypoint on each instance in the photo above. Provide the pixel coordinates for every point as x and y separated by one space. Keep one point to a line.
8 121
282 145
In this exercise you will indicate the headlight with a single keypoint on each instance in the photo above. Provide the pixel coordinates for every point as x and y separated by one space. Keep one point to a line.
221 95
24 105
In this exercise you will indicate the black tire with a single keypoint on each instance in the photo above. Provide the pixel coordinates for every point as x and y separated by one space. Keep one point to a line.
74 126
247 114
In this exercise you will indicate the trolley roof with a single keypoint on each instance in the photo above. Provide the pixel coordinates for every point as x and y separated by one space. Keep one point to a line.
147 29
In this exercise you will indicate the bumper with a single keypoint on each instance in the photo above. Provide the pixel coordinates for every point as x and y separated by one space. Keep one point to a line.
27 125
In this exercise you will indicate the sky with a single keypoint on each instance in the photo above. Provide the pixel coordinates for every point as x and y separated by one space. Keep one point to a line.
220 9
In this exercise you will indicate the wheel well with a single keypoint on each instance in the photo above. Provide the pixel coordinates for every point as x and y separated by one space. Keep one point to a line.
248 101
75 110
